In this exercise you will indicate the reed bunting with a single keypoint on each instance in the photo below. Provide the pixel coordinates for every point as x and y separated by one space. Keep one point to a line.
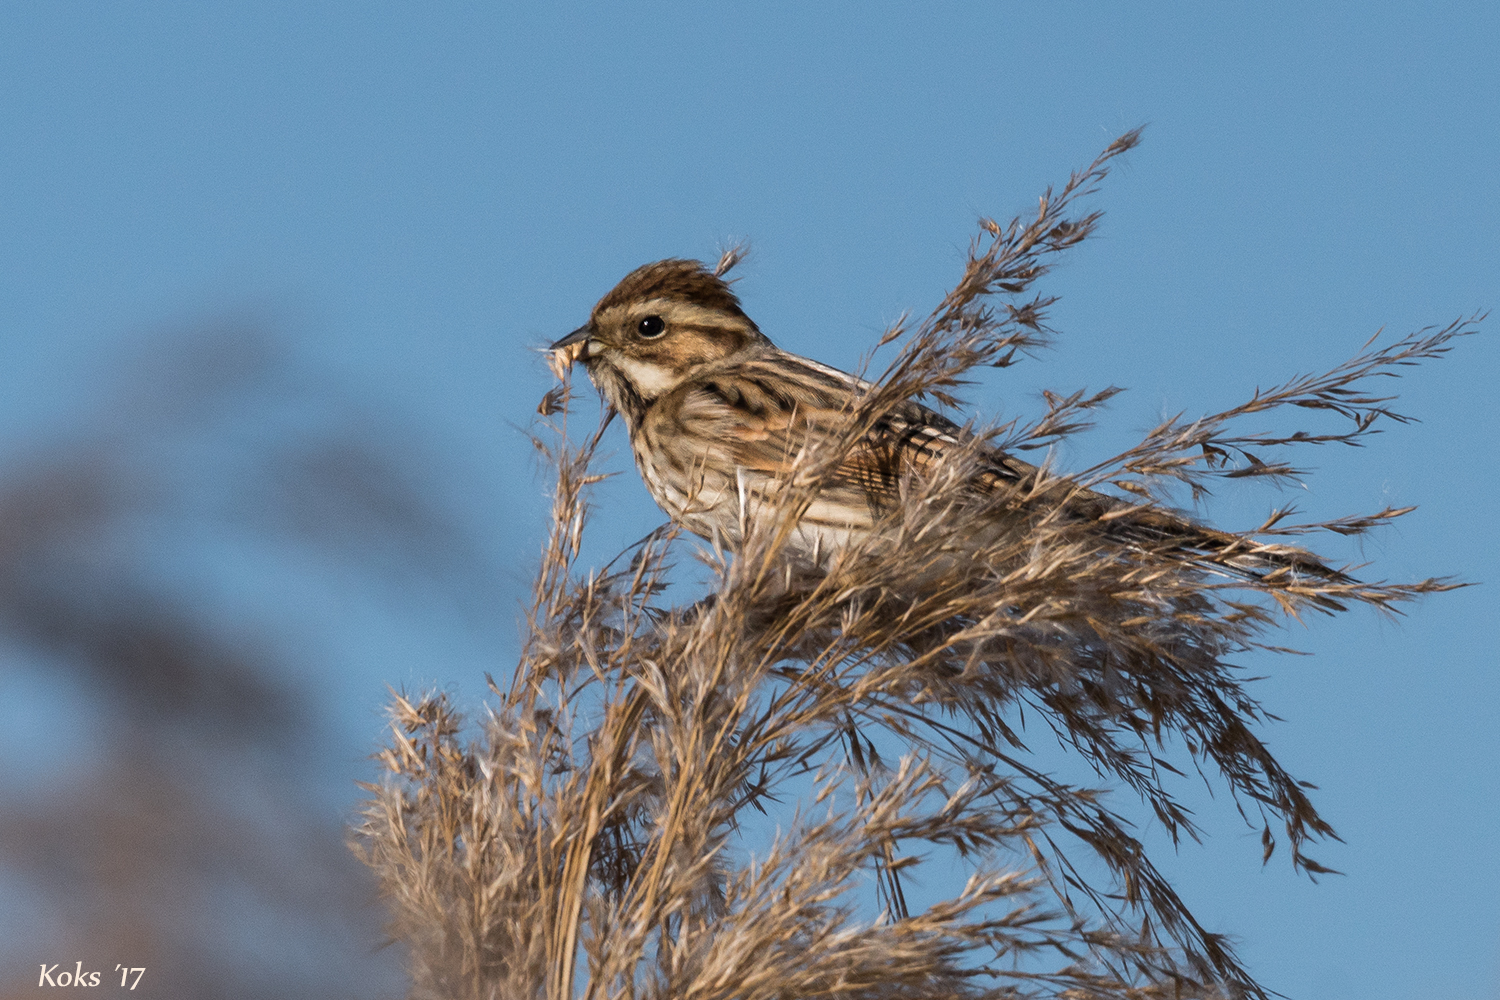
718 415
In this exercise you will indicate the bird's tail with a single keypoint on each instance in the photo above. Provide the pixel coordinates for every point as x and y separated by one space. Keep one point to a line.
1238 555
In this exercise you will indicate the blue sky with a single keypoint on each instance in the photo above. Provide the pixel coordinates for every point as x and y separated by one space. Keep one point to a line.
417 197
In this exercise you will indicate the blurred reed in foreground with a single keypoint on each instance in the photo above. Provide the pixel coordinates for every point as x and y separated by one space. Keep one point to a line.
591 840
171 809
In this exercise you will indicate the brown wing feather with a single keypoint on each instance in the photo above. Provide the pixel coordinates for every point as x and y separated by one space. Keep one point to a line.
762 411
765 410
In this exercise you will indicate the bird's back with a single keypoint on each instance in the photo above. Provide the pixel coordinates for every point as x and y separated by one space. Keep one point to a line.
719 447
717 450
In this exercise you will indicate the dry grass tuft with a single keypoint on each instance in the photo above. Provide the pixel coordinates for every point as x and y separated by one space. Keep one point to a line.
589 841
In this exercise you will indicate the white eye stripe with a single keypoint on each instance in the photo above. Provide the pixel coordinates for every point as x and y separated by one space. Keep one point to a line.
677 313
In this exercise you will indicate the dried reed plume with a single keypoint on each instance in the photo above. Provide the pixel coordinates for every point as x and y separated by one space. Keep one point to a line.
589 842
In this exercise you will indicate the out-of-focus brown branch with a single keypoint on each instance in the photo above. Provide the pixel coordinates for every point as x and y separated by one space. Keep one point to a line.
185 830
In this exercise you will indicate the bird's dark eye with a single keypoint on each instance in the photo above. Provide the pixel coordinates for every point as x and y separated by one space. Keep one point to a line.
651 326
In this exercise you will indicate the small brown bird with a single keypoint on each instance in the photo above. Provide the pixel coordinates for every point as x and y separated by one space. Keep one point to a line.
718 415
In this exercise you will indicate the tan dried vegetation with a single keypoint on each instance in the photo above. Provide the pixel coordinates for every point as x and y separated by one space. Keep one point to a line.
589 842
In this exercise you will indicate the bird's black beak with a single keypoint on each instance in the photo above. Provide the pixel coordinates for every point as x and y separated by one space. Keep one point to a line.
578 336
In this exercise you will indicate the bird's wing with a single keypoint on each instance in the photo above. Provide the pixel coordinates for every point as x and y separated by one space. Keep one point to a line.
759 414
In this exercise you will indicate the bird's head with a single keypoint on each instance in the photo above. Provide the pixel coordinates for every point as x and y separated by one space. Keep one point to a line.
661 325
